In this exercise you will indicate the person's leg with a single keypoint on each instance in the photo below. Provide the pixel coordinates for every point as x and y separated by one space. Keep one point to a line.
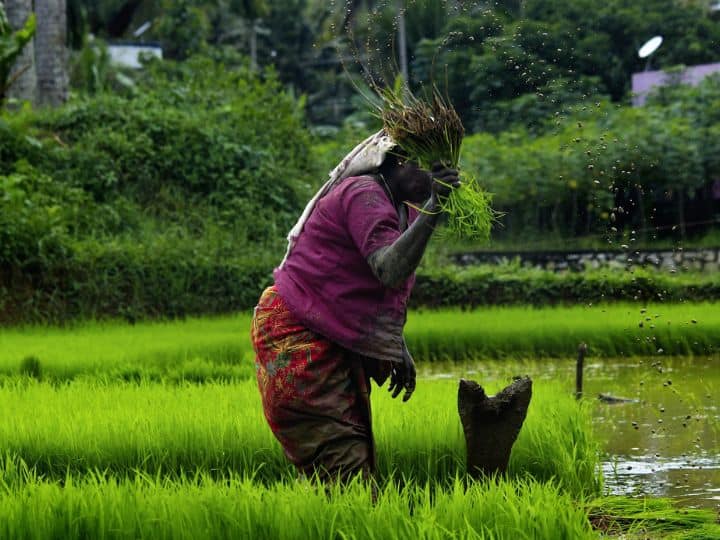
342 461
315 395
345 459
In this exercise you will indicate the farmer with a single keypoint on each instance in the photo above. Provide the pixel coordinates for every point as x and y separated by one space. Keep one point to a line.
334 317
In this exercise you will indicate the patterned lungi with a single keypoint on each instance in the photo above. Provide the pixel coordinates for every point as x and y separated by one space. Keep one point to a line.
315 394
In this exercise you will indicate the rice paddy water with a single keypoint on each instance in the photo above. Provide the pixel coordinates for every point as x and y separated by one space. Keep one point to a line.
664 442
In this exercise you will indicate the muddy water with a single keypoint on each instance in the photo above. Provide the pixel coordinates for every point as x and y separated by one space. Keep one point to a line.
666 442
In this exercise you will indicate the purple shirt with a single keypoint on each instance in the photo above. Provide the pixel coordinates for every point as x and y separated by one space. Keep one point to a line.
327 282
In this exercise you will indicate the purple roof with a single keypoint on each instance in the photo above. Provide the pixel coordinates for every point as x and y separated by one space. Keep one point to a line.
644 81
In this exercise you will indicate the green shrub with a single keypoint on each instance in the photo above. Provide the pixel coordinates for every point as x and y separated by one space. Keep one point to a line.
172 277
193 132
167 277
601 171
171 200
37 215
497 285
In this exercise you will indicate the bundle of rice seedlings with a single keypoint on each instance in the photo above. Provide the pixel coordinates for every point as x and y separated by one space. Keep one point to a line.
431 131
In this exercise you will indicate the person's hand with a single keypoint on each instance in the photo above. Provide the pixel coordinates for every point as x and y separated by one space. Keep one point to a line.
444 180
403 376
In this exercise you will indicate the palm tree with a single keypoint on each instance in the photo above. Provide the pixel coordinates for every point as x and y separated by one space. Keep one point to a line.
51 55
23 74
353 6
251 11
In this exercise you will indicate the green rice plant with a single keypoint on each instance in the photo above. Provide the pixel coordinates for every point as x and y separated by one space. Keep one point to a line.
576 446
219 348
216 348
609 330
235 507
31 367
469 211
217 428
429 132
651 518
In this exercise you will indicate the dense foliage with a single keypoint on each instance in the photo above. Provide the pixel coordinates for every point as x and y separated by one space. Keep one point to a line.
502 63
516 66
602 169
506 285
168 190
117 203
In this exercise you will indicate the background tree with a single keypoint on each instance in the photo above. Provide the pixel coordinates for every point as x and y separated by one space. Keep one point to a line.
46 60
51 54
18 78
501 63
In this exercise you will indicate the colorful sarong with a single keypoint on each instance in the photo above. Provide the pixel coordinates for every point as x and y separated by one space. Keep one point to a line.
315 394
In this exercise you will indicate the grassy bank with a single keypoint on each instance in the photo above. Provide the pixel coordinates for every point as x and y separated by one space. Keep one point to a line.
608 330
192 349
220 348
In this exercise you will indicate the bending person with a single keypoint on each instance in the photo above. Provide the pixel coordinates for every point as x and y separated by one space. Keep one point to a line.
334 317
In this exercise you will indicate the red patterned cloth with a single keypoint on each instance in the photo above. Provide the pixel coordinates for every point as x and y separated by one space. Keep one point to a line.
315 394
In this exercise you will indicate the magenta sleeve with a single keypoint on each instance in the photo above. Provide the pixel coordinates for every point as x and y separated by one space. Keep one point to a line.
371 219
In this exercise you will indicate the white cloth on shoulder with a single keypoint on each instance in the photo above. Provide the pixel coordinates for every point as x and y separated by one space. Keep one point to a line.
363 159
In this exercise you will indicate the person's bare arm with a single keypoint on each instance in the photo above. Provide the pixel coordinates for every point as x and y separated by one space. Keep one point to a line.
394 264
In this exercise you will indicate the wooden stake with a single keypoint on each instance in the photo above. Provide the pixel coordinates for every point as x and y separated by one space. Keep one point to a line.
582 349
491 424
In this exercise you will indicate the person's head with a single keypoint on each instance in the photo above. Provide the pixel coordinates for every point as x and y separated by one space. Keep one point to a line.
406 180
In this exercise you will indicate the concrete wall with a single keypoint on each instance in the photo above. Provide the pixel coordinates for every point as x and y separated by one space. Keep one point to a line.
672 260
643 83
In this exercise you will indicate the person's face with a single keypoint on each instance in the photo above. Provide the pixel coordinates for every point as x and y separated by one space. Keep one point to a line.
412 183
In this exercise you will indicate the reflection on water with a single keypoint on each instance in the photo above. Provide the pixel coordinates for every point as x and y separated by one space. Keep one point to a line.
667 443
689 478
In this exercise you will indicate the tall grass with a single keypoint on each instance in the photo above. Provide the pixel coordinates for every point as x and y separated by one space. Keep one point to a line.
120 428
220 348
235 507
